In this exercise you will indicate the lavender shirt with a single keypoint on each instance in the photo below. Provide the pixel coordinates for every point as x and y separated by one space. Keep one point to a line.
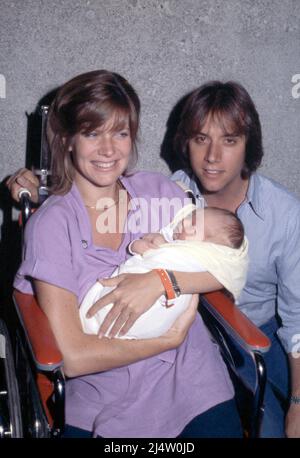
155 397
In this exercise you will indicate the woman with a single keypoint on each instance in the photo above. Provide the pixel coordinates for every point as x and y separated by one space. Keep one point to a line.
163 387
219 144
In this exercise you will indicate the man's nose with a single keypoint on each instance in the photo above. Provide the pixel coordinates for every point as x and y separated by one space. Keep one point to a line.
213 153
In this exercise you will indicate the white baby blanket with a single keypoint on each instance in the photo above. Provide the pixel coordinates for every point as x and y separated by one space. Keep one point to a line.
228 265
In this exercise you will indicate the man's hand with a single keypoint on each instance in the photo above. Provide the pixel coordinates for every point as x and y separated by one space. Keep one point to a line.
292 421
23 178
133 295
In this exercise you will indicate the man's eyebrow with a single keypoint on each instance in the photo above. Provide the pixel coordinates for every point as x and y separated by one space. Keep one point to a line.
234 134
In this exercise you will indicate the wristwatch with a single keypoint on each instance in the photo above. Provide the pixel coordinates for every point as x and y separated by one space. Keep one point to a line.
175 285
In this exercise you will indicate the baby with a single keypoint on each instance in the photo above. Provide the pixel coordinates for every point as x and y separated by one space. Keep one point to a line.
197 240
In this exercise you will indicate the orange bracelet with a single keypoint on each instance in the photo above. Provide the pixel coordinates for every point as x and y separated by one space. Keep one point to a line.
167 284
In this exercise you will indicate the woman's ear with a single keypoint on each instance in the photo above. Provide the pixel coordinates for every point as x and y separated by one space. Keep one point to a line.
70 147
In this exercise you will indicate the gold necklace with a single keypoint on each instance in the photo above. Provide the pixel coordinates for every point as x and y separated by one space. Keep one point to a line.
106 207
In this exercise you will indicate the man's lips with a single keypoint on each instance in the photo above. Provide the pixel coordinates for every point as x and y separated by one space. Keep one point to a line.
213 172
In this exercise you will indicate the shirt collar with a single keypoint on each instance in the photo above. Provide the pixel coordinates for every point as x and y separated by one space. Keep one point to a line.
194 188
254 196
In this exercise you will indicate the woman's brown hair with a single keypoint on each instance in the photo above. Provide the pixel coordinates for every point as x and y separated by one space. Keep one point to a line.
232 106
82 105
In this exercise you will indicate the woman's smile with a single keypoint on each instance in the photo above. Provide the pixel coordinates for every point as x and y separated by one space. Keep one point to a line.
104 165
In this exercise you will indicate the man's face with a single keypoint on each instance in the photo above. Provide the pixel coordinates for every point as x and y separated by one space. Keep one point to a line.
217 158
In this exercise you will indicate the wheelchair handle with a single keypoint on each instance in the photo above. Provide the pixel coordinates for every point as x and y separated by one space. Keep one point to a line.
26 204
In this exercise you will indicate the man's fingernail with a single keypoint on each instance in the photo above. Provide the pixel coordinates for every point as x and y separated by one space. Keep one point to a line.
100 335
21 180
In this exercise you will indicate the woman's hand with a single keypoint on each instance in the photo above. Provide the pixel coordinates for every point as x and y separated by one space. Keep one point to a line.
177 333
23 178
133 295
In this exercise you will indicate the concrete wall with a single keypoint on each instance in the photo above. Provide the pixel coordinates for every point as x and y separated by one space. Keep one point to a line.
164 48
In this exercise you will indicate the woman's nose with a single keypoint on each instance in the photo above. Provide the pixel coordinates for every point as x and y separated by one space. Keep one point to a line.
105 147
213 153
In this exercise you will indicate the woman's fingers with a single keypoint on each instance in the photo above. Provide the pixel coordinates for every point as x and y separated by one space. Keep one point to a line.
184 321
108 298
113 281
133 295
105 300
190 313
119 327
112 315
194 303
131 319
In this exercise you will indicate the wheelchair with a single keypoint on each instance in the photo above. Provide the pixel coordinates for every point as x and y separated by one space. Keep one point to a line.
32 391
39 363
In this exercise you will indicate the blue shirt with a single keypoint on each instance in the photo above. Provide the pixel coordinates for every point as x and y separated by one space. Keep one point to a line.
271 218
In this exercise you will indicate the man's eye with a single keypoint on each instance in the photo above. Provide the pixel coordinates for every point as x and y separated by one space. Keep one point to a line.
230 141
200 139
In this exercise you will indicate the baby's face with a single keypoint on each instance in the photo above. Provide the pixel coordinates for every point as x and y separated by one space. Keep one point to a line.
201 225
192 227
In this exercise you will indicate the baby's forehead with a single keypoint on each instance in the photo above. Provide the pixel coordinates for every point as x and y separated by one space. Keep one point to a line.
213 216
211 212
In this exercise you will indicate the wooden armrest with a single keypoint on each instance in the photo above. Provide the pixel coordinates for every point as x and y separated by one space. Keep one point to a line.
41 340
236 323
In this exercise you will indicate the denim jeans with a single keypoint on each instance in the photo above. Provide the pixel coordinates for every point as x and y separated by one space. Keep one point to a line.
221 421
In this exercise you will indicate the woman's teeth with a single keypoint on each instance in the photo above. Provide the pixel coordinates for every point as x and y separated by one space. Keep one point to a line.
104 165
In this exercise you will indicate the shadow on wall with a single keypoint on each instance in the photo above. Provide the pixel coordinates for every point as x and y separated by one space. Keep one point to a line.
168 152
10 243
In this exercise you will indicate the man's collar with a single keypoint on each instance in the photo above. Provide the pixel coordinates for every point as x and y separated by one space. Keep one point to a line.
253 196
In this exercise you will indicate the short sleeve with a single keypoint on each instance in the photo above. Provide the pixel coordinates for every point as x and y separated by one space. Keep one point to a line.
47 252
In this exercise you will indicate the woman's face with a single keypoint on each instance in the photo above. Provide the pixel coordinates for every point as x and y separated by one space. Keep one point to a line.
217 158
102 155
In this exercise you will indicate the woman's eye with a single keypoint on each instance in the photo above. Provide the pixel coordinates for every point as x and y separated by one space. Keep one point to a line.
90 134
123 133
